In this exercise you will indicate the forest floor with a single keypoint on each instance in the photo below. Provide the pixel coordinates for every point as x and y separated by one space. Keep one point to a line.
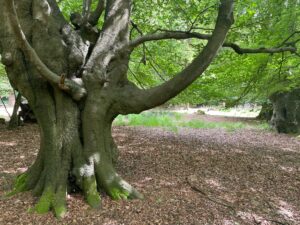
192 176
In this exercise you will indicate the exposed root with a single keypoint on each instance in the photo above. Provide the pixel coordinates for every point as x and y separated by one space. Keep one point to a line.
119 189
20 185
45 201
52 200
59 203
90 190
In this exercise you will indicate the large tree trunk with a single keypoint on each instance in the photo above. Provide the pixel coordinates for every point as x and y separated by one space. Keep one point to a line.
48 64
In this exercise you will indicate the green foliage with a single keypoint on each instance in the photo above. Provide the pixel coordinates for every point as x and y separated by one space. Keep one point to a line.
231 77
5 87
150 119
172 121
20 184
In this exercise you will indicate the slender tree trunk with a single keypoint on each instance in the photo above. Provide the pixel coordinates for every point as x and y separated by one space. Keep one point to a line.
15 120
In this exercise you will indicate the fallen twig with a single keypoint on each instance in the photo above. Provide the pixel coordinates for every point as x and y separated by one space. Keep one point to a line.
212 199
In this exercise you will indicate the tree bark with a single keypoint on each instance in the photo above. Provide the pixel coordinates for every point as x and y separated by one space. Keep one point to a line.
76 89
14 119
266 112
286 111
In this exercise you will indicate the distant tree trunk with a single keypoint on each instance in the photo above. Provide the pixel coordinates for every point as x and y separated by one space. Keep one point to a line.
286 114
14 119
266 112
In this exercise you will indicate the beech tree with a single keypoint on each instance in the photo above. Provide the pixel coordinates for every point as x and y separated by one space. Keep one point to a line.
74 75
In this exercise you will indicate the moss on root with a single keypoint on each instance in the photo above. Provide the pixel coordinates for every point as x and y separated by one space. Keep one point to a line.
117 194
45 201
55 198
120 189
51 200
60 211
59 203
20 184
90 190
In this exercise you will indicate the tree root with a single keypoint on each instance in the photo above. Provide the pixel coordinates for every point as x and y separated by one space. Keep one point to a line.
52 200
20 185
119 189
90 190
53 194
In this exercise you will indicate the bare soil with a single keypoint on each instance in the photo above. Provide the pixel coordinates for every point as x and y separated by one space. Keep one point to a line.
193 176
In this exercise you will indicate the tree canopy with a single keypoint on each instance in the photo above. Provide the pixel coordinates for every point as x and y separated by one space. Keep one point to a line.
231 77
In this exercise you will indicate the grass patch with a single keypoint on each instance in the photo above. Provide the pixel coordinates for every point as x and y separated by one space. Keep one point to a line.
167 120
173 121
230 126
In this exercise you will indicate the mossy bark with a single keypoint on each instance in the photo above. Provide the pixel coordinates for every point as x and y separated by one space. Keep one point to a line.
73 144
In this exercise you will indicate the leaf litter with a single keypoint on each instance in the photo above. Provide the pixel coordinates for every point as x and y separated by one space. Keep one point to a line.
192 176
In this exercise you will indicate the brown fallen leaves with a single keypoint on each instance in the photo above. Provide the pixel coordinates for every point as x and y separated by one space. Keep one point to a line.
203 176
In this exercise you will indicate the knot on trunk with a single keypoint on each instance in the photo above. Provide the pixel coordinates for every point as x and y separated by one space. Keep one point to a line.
7 59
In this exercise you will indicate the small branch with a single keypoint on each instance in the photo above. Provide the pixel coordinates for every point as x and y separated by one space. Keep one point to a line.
289 37
181 35
198 16
135 77
86 9
212 199
135 26
74 88
95 15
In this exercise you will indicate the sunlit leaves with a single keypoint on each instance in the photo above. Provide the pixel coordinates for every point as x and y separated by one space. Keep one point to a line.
258 23
4 83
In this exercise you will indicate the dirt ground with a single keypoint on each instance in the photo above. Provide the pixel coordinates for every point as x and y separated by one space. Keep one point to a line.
193 176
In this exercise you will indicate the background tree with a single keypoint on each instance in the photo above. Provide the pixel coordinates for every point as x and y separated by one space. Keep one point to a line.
75 79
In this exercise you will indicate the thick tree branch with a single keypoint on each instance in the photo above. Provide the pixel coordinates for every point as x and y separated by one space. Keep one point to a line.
143 100
113 38
74 88
180 35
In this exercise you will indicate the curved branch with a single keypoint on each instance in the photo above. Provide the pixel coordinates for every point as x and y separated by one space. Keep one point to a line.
137 100
241 51
74 88
181 35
